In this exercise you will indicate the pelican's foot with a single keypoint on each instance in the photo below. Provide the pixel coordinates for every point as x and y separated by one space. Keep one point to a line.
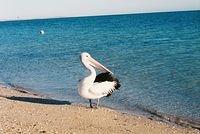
91 106
96 106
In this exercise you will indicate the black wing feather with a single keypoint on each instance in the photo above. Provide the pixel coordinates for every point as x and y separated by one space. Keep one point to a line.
102 77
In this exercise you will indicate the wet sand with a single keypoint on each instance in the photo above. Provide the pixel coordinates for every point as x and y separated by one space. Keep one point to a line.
25 112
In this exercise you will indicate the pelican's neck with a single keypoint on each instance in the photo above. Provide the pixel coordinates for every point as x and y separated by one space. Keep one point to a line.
87 82
92 75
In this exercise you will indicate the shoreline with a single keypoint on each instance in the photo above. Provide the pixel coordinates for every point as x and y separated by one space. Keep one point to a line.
28 99
144 112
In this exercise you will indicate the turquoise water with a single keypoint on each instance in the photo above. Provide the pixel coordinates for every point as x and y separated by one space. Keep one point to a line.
155 56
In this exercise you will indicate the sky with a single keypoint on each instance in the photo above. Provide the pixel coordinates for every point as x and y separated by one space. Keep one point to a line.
32 9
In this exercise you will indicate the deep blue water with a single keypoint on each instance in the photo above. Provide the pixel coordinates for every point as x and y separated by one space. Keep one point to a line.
155 56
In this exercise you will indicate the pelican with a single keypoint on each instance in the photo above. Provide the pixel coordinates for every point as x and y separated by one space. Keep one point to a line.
96 87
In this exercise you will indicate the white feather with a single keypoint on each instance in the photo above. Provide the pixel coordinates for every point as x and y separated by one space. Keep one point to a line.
102 89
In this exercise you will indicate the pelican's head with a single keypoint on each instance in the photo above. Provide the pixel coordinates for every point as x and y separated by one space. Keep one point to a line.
88 61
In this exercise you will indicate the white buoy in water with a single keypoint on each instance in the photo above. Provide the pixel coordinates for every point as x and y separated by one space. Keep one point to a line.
41 31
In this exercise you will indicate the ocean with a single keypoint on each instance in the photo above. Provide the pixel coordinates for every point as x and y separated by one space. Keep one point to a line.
156 57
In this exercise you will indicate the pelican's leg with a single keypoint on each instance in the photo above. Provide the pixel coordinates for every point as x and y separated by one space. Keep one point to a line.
90 103
98 103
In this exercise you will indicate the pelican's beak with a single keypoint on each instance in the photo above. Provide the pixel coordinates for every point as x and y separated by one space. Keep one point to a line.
98 65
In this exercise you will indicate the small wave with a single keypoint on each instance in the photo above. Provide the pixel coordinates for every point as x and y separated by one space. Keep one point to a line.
185 122
20 89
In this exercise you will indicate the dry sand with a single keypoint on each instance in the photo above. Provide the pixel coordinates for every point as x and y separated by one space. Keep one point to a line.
22 112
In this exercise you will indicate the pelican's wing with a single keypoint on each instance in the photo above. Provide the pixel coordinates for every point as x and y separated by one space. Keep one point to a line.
103 88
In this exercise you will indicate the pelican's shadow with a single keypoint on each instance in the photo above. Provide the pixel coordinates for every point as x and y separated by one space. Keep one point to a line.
39 100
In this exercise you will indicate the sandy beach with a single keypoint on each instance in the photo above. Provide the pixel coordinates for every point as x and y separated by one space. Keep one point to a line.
25 112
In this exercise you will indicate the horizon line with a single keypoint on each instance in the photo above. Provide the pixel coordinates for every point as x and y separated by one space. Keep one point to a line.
99 15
